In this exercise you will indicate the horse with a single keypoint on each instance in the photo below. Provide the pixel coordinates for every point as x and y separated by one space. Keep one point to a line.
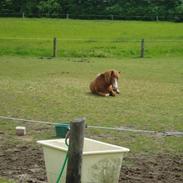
106 84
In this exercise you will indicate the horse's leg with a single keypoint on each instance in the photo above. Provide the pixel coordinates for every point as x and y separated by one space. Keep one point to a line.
111 91
103 94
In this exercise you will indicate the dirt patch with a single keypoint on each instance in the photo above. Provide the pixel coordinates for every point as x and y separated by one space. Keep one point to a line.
162 168
20 158
24 162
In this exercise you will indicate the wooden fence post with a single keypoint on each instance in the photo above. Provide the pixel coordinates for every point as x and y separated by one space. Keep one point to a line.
157 18
54 47
142 49
76 141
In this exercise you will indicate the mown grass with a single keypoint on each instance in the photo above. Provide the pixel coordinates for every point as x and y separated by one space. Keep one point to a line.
81 38
5 181
151 91
57 90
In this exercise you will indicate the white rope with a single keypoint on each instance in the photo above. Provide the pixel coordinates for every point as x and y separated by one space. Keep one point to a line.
122 129
98 127
26 120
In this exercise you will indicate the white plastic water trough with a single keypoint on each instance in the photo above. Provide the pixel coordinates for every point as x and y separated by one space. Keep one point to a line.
101 161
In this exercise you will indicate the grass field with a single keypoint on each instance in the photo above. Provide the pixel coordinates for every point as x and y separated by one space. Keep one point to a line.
33 86
151 91
80 38
57 90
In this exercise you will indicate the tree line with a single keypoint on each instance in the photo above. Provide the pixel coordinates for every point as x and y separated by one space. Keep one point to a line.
142 9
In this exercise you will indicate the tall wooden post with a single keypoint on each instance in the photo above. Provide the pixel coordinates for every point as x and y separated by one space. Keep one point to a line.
142 49
54 47
157 18
76 141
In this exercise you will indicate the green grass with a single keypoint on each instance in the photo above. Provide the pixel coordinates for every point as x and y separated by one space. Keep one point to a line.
151 91
5 181
33 37
57 90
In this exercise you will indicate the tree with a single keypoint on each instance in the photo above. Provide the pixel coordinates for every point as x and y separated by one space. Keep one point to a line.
128 8
49 7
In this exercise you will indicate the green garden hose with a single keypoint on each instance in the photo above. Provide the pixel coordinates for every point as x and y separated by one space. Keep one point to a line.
63 166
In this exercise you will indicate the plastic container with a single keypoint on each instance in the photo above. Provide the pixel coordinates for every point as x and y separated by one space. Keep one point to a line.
20 130
101 161
61 130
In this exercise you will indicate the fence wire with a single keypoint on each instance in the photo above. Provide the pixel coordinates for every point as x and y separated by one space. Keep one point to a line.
89 47
93 40
176 17
166 133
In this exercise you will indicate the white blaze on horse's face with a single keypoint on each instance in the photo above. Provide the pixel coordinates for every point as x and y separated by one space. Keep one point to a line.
115 85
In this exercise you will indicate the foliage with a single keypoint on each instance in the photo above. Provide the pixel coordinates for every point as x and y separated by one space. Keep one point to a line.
49 7
167 9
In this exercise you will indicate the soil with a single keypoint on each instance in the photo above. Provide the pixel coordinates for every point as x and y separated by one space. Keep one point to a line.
161 168
24 163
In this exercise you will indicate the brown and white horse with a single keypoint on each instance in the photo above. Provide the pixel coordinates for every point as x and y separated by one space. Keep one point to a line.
106 84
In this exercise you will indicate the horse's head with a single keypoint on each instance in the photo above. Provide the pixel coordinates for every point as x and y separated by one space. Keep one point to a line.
111 77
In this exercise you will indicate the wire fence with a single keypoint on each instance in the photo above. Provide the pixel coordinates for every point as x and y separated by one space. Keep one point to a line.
176 17
164 133
91 47
93 40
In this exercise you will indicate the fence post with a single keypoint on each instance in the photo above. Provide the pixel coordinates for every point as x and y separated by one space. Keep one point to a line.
142 49
112 17
76 141
54 47
67 16
23 15
157 18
